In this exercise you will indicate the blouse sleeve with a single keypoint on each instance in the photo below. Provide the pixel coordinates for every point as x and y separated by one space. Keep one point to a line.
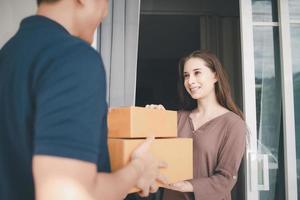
179 114
225 175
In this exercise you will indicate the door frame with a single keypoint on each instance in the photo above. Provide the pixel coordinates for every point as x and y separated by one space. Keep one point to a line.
249 99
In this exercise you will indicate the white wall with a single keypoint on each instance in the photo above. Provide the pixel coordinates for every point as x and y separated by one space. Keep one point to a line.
12 12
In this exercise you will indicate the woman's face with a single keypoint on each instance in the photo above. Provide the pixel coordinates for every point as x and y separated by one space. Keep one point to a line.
199 80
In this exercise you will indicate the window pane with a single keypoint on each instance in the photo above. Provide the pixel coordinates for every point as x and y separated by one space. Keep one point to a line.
268 102
294 8
295 39
264 10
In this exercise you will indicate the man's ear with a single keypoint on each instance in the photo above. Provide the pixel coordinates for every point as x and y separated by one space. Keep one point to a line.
81 2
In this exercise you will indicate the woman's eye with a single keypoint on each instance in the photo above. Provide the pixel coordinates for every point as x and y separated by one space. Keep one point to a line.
197 72
186 76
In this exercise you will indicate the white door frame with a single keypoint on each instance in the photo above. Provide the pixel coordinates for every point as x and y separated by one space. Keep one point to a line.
248 72
289 139
249 101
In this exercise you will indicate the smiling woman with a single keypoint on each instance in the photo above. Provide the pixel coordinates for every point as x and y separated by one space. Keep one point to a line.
211 118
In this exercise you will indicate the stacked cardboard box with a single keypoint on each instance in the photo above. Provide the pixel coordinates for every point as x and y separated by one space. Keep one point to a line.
129 126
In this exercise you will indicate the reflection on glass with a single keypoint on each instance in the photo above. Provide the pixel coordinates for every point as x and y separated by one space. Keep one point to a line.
268 102
295 39
294 9
264 10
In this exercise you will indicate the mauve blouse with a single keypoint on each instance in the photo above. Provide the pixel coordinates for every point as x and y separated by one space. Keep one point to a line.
218 148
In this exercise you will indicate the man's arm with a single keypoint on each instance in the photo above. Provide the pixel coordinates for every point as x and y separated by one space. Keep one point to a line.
64 178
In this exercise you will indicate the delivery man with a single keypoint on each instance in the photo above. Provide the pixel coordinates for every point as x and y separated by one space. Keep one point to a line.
53 132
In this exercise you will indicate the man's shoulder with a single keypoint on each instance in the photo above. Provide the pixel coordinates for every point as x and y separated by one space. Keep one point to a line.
72 54
73 57
43 48
74 46
80 54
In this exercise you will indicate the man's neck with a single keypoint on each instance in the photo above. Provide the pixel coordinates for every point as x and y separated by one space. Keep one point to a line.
57 12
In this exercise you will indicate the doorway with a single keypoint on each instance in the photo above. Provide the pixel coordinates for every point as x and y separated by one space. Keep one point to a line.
171 29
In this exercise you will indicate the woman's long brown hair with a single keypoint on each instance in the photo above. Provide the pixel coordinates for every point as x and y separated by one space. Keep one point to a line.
222 87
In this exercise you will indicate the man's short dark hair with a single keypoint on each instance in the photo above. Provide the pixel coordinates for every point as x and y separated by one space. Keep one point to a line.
46 1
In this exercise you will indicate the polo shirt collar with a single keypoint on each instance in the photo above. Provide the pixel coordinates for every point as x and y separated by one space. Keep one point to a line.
39 20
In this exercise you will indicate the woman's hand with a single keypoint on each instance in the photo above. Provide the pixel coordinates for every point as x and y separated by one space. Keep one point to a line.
182 186
155 106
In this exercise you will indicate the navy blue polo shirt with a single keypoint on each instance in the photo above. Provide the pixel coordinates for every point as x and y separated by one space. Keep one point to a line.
52 102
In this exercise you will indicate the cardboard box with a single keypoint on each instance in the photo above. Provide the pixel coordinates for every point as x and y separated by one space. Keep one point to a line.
177 152
140 122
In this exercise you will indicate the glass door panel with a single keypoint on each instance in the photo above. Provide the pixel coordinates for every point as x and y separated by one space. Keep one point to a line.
268 107
295 38
264 10
294 9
